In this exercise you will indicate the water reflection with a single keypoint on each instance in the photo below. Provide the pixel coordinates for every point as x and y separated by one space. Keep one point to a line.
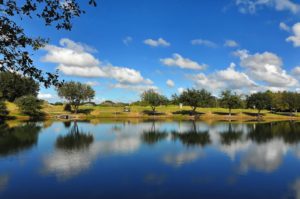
192 137
75 139
231 136
4 178
152 135
180 158
72 154
16 139
134 157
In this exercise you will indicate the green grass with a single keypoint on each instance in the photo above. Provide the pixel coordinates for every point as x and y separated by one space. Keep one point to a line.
89 112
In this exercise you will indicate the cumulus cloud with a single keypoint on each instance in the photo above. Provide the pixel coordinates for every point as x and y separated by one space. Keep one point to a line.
203 42
92 83
251 6
170 83
132 87
295 39
266 67
231 43
284 26
228 78
75 59
157 43
181 62
45 96
69 53
296 71
180 90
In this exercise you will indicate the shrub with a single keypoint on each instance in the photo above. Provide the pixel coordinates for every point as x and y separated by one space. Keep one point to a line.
29 105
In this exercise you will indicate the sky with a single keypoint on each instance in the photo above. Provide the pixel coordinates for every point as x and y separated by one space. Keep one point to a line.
122 48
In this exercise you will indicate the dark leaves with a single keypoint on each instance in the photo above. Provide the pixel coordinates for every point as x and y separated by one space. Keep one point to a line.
15 44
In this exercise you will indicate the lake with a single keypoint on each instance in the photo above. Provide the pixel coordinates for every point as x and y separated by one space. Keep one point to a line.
150 159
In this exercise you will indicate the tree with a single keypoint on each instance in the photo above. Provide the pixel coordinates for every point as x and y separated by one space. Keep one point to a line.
277 102
292 100
259 101
152 98
174 99
196 98
230 100
3 110
29 105
76 93
13 86
15 44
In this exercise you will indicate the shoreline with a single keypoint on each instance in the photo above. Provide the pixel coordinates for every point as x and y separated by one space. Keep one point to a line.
144 113
204 117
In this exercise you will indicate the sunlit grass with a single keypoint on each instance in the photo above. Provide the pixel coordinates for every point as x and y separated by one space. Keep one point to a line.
89 112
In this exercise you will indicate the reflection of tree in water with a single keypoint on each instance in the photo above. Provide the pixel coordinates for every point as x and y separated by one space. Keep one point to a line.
230 136
261 132
75 139
17 139
67 124
193 137
153 136
288 131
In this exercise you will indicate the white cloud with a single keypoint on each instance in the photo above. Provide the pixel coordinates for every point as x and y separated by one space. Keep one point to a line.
224 79
126 75
251 6
181 62
70 53
127 40
157 43
284 26
296 71
203 42
45 96
137 88
92 83
295 39
170 83
180 90
92 71
266 67
75 59
231 43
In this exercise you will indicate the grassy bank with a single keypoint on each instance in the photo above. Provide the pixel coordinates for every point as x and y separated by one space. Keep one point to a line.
172 112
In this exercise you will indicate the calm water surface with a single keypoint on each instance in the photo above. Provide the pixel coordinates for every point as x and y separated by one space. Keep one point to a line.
130 159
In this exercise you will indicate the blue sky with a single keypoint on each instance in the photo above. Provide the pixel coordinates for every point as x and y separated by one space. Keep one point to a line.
124 47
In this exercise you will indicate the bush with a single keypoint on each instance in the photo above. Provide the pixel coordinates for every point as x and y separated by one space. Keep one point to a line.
13 86
68 108
29 105
3 109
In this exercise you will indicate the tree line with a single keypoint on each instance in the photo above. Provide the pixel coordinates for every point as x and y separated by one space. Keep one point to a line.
280 101
23 91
